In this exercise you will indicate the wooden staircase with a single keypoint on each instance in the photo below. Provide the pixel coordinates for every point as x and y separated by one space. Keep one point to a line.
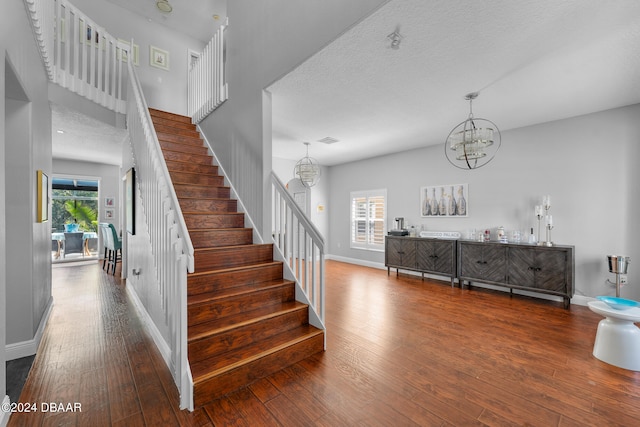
243 320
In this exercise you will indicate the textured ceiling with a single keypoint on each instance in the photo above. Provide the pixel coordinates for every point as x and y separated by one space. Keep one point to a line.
192 17
531 60
84 138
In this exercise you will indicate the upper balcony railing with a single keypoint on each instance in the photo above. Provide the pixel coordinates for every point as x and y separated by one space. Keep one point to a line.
207 87
78 54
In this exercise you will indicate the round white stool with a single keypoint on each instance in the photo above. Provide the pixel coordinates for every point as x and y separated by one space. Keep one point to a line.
618 339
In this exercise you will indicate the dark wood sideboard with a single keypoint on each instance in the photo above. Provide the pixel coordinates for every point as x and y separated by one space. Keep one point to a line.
541 269
435 256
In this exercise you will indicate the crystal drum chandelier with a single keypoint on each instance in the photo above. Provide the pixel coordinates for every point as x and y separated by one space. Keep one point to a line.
474 142
307 170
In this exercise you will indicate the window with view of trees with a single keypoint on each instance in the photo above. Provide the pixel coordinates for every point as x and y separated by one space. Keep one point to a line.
368 219
74 206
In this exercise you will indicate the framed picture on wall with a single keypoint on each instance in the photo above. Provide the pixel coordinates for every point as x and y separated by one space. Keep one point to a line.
109 202
442 201
42 194
134 52
109 213
158 58
130 197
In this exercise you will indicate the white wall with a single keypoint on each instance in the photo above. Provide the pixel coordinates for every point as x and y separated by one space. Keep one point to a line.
164 90
28 263
265 40
283 168
587 164
3 242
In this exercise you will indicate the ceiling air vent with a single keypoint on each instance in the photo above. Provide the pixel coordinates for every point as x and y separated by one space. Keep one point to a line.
328 140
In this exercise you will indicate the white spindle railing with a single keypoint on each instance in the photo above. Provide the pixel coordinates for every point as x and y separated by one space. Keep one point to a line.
42 21
301 247
82 57
78 54
172 249
207 88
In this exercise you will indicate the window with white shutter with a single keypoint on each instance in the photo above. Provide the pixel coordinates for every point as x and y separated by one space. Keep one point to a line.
368 219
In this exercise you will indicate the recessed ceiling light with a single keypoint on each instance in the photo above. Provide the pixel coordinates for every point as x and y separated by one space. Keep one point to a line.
60 131
216 17
328 140
164 6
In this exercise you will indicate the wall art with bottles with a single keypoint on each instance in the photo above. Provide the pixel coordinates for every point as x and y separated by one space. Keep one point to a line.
440 201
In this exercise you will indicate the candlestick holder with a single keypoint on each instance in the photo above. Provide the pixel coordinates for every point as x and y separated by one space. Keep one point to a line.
539 215
548 241
546 205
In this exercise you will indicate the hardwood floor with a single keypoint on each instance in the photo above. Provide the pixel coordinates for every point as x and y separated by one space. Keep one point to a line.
400 352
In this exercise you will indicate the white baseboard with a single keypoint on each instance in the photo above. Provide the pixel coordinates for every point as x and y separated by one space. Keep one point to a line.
29 347
577 299
581 299
356 261
151 327
4 416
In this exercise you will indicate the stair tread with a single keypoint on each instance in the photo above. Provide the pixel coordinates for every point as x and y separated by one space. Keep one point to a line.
171 116
203 154
208 173
203 198
199 186
212 367
211 213
182 161
174 124
209 297
191 141
177 182
202 230
223 324
234 247
231 269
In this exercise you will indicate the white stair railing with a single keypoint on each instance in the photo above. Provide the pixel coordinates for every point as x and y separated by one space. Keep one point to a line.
171 245
78 54
301 247
207 87
41 14
82 57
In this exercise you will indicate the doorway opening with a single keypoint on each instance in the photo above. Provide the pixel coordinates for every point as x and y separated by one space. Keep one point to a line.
74 218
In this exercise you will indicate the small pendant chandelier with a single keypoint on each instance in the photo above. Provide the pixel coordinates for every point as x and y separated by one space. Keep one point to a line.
474 142
307 170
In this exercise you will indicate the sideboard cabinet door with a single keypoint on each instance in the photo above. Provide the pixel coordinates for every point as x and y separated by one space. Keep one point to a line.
482 262
540 268
436 256
400 252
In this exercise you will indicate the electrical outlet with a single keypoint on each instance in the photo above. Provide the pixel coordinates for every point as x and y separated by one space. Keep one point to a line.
623 279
